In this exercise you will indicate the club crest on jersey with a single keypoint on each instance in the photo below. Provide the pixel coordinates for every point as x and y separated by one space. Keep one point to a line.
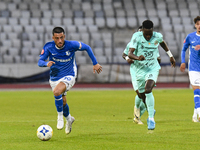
67 53
42 52
156 42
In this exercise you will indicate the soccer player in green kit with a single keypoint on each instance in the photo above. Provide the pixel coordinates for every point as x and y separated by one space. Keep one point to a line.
138 101
143 49
139 107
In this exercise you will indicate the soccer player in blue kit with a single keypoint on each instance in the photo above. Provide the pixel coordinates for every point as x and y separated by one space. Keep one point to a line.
193 42
144 50
63 71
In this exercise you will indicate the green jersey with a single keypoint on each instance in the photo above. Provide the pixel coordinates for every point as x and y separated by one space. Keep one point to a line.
126 50
149 49
132 69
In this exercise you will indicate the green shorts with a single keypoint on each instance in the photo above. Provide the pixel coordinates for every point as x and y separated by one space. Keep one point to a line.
142 78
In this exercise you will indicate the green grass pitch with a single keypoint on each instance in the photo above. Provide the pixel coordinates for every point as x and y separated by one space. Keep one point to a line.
103 121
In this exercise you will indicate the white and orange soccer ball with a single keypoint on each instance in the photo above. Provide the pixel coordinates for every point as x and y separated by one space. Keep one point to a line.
44 132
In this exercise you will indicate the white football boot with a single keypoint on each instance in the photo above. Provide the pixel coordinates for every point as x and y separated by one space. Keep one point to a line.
195 119
60 123
138 121
195 116
69 125
137 116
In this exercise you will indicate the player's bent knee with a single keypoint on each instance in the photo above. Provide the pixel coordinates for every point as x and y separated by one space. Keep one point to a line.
56 92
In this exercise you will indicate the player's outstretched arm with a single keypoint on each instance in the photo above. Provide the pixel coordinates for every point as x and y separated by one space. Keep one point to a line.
182 67
97 68
165 47
173 62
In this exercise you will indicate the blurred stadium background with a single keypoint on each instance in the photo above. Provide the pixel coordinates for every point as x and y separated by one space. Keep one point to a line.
105 25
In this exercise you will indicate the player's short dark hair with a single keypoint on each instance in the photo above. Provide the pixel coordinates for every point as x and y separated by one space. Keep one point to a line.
139 28
196 19
147 24
58 30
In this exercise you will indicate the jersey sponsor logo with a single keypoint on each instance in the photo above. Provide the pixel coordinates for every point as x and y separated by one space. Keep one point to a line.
62 60
192 41
54 53
197 47
147 64
150 59
42 52
68 53
148 53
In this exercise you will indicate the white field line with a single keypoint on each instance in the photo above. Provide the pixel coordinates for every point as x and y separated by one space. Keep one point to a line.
56 120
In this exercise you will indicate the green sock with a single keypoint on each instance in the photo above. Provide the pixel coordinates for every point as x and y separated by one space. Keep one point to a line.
142 108
150 104
137 101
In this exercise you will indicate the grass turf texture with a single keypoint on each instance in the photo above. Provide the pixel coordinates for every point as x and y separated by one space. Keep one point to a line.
103 121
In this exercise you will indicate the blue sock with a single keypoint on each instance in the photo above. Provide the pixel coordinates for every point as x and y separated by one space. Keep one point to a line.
196 98
59 103
66 110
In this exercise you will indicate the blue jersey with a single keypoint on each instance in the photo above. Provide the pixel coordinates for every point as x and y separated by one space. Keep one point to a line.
192 41
64 58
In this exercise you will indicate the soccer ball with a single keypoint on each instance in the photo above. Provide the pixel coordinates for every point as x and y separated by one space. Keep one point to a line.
44 132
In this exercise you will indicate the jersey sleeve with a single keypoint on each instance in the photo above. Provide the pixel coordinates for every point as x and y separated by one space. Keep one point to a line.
158 54
126 50
81 47
76 45
43 57
160 38
186 44
133 42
